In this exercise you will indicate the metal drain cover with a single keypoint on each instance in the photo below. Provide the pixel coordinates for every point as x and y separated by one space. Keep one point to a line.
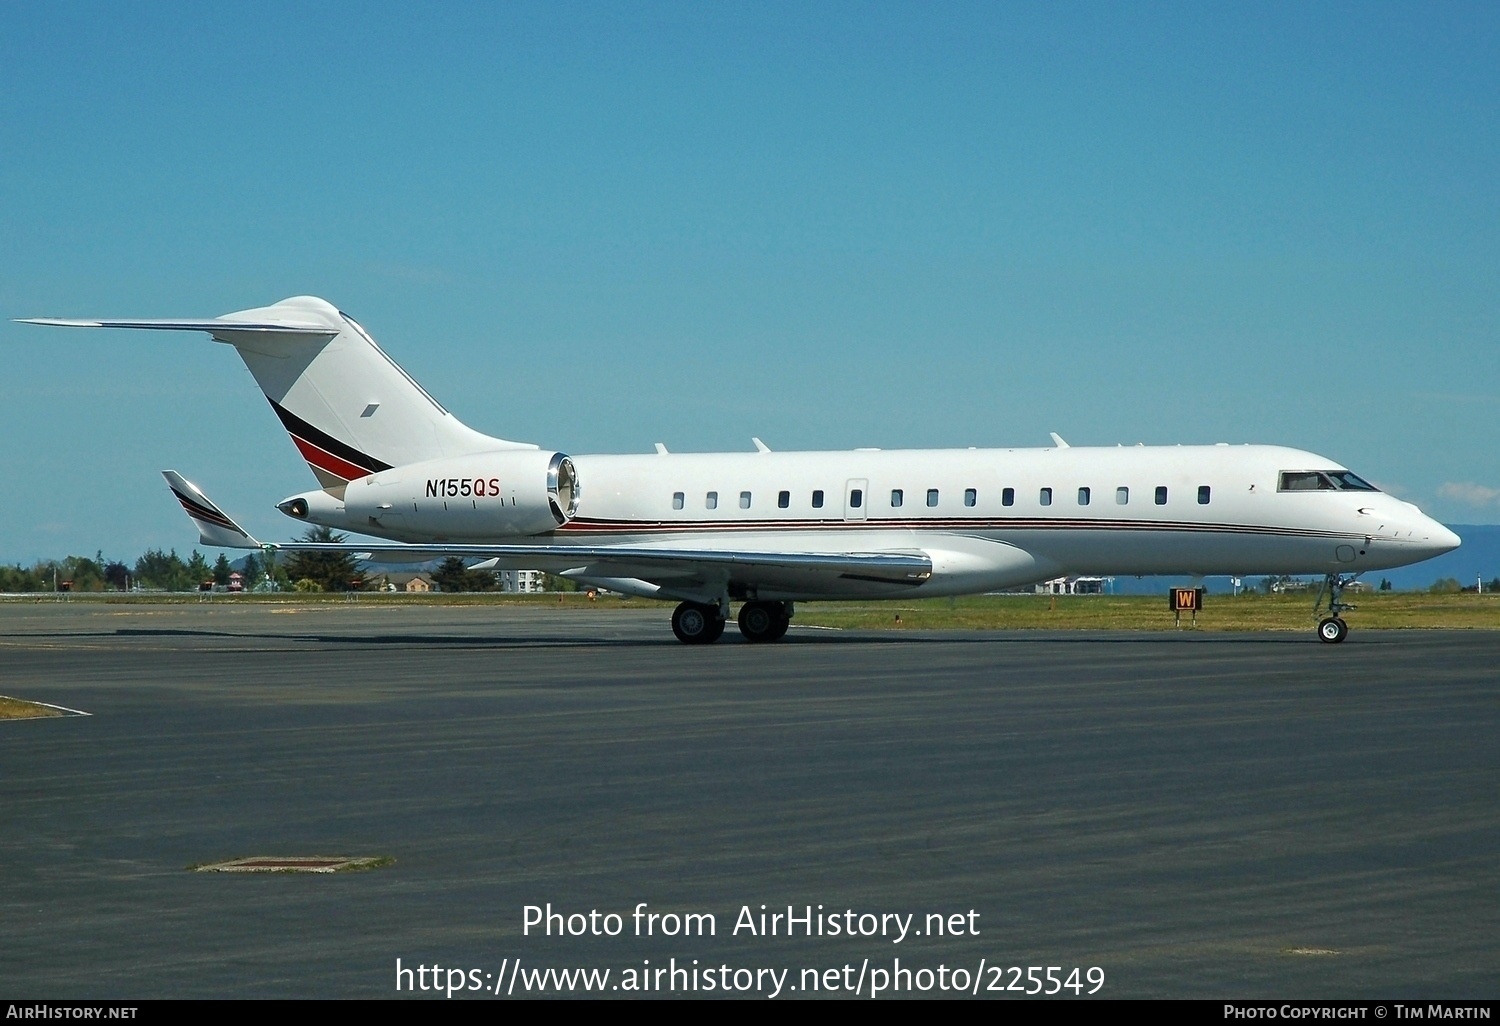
295 864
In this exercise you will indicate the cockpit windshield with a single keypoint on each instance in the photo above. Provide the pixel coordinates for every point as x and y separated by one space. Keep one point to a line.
1323 481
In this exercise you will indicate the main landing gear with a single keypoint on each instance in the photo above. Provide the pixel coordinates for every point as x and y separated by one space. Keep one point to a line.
765 621
695 623
1332 629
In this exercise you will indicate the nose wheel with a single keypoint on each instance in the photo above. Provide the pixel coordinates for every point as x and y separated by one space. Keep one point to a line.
1332 629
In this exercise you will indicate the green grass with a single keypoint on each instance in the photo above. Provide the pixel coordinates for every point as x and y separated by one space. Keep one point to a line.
1250 612
570 599
17 709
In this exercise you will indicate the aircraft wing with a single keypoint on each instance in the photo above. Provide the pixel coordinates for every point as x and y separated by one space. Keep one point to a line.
679 569
669 567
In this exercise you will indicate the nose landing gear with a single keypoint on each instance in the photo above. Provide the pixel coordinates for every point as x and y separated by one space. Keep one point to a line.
1332 629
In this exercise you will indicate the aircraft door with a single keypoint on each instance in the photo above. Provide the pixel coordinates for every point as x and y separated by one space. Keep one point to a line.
856 498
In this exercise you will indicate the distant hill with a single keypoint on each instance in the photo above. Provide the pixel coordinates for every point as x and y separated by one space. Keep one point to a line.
1478 556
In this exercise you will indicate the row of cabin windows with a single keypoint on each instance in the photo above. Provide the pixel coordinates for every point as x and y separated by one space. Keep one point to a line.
1122 496
898 497
971 497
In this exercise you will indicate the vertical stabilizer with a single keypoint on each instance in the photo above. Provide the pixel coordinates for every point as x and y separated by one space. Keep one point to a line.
350 409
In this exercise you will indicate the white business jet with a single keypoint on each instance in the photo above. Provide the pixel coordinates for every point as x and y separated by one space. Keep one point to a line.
769 529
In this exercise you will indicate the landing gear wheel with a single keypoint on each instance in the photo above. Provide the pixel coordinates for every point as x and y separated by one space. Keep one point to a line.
716 627
1332 630
782 623
764 621
697 625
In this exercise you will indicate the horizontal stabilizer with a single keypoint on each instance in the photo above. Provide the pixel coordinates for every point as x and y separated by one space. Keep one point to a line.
213 325
214 526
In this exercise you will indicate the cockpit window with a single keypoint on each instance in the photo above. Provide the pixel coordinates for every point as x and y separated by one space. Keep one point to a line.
1348 482
1323 481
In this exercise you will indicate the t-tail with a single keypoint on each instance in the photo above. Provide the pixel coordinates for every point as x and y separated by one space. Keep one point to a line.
349 408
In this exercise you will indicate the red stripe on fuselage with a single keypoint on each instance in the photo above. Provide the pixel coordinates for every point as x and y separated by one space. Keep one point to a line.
327 462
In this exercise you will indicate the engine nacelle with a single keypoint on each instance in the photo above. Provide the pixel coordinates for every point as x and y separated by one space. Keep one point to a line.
480 497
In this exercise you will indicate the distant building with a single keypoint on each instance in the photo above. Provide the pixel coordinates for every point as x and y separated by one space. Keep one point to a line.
1076 586
522 581
415 584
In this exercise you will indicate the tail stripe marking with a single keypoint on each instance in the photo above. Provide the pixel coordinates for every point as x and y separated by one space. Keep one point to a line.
327 462
324 451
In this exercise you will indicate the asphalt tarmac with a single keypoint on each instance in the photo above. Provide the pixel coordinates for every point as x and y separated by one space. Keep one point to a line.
1193 815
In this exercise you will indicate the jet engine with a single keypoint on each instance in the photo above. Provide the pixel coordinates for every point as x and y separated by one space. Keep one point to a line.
480 497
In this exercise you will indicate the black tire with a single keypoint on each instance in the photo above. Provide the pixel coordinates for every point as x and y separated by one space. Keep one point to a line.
715 630
1332 630
696 625
782 623
763 621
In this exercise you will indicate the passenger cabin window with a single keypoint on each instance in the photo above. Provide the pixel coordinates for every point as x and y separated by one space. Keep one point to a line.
783 499
1046 496
932 496
678 499
971 496
1122 496
1008 497
1161 495
1203 495
711 500
1323 481
744 500
1083 496
895 497
818 499
856 498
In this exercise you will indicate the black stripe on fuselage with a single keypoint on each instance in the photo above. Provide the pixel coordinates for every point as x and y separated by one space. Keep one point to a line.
295 425
585 526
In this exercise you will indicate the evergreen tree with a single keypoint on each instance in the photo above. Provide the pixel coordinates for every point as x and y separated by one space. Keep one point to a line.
453 575
167 571
198 570
331 571
117 575
222 570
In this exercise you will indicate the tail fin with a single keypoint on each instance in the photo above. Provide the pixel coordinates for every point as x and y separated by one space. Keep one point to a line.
350 409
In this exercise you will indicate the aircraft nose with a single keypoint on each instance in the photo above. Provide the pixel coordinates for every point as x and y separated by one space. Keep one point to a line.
1431 538
1441 539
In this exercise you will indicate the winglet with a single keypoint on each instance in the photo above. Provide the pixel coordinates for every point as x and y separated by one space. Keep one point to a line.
1057 440
760 446
214 526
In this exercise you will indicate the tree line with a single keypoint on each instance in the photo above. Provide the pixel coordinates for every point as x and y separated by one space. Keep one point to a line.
155 570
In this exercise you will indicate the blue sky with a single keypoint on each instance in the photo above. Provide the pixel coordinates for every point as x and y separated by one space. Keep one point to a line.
598 226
